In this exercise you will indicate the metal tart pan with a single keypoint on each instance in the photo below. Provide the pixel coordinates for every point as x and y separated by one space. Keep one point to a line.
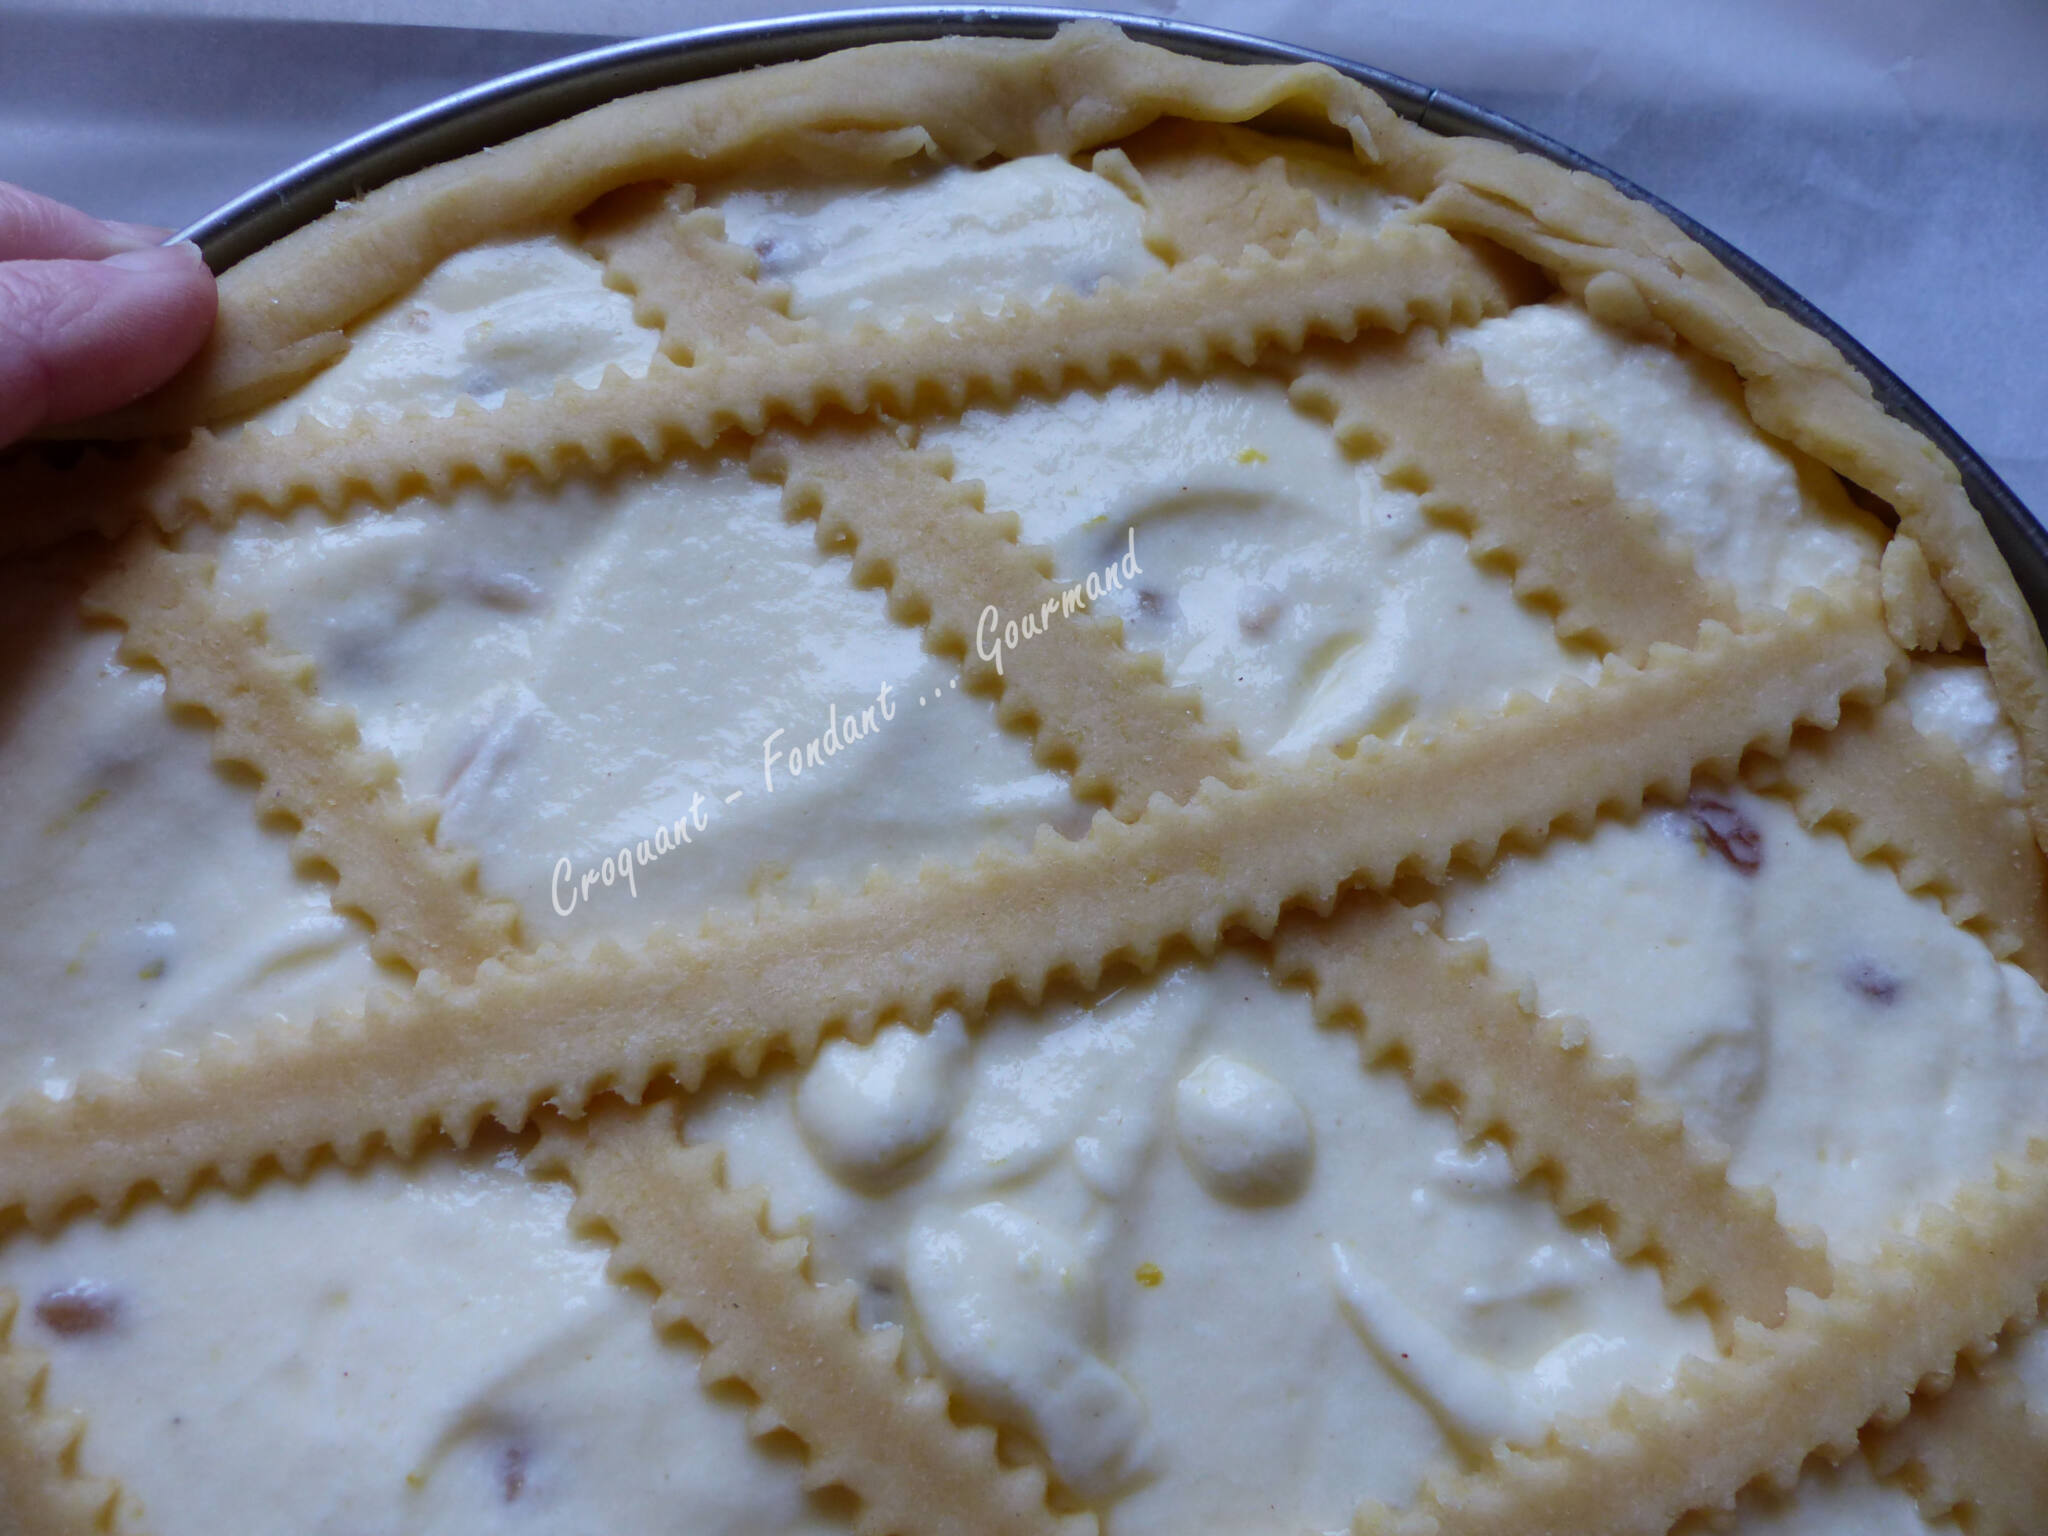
517 103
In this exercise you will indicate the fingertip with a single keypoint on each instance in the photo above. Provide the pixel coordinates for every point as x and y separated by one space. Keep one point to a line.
135 236
157 258
81 337
38 228
173 277
173 300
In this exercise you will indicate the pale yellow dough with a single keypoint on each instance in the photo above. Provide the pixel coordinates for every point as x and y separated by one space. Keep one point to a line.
1200 1264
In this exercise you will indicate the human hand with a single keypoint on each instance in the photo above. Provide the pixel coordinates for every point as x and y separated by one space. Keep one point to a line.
92 314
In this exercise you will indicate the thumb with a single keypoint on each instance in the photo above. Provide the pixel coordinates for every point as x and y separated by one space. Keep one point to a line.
80 337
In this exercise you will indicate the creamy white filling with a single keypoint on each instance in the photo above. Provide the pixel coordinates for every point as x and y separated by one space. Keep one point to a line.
1244 1136
866 1111
1065 1250
612 665
514 314
941 241
1951 696
1180 1237
1859 1053
1670 429
145 907
418 1349
1344 200
1307 602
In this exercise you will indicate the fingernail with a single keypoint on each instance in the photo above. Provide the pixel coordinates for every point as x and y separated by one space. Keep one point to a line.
156 258
123 236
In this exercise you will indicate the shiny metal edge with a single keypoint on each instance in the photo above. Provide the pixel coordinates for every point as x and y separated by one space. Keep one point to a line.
517 103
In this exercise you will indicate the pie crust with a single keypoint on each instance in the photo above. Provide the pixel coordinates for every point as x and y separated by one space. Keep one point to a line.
1329 855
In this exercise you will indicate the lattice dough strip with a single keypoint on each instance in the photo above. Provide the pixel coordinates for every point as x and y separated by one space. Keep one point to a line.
42 1490
1795 384
1653 1179
421 898
1779 1394
1127 734
1383 968
938 547
1200 199
1571 540
1108 714
1187 317
747 1052
687 280
1481 464
864 1423
839 1387
1978 1446
448 1055
1889 787
1900 795
957 100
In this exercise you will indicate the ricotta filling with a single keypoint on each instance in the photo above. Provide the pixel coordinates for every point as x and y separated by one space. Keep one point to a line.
1858 1053
406 1349
1307 602
510 315
937 242
146 908
1669 428
1123 1226
1178 1236
1951 697
654 680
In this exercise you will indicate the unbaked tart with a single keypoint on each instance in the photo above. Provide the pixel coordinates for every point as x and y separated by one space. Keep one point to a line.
1016 786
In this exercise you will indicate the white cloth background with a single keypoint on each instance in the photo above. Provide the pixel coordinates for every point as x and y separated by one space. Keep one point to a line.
1889 159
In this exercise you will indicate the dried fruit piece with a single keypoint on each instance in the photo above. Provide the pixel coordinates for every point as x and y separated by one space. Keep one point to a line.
79 1309
1730 833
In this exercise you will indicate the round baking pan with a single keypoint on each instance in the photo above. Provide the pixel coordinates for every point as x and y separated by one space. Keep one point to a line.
504 108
